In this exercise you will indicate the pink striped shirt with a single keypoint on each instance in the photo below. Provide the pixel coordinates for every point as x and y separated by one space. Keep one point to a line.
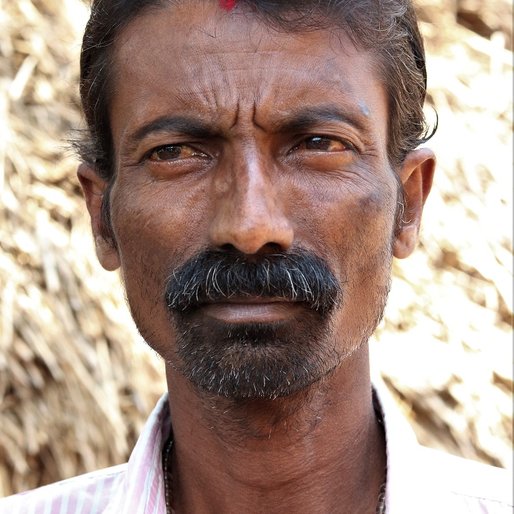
132 488
419 480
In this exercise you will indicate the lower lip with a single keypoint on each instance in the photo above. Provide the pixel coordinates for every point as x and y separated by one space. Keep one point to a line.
271 312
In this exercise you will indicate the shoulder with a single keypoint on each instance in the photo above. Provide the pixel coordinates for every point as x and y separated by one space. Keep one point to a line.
477 488
425 481
85 493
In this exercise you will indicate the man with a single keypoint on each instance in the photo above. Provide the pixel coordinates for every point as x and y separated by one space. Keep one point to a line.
252 169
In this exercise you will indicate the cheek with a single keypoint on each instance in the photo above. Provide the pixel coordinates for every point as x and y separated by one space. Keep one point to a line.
361 230
375 228
353 222
155 233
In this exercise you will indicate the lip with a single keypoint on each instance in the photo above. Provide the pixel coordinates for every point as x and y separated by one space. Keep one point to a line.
251 310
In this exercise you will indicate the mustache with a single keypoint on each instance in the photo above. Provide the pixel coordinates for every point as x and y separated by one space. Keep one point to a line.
215 276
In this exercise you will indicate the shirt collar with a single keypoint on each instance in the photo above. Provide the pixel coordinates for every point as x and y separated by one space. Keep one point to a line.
411 485
142 491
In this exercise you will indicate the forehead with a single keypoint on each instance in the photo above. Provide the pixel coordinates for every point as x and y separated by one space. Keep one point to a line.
196 57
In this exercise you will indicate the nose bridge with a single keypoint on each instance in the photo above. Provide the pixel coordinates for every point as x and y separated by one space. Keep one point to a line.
250 211
255 193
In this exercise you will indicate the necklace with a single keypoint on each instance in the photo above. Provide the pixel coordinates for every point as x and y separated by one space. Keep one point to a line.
168 484
379 415
166 454
381 504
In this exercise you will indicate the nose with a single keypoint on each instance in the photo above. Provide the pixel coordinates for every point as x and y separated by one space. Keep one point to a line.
249 211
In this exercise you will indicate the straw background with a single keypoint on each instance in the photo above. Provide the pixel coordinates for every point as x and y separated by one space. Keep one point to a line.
76 382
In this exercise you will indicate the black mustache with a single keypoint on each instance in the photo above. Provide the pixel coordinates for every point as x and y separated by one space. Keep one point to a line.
214 276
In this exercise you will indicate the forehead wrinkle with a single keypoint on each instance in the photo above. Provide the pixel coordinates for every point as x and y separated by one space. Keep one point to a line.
230 56
215 85
267 106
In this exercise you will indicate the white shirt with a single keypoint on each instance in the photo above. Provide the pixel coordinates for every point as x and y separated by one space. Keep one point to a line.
419 480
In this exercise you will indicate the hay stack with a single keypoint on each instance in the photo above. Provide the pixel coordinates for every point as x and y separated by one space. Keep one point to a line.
447 341
73 389
75 381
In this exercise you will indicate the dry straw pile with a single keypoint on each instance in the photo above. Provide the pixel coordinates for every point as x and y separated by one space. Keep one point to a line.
75 381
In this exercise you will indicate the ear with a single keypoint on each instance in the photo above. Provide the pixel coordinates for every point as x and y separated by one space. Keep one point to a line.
94 188
416 175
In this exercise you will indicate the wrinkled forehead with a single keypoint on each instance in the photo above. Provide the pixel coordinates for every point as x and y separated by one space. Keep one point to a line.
199 30
213 61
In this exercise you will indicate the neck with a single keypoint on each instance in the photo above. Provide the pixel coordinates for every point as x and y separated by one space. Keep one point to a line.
318 451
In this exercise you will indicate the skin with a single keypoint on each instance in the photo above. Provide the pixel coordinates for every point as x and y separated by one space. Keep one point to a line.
258 183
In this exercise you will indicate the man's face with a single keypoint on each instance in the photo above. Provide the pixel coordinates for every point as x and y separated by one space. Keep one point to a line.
237 148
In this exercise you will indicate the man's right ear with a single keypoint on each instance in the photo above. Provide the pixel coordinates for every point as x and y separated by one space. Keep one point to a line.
94 188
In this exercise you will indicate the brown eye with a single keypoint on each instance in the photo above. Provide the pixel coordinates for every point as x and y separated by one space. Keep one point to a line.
323 144
174 152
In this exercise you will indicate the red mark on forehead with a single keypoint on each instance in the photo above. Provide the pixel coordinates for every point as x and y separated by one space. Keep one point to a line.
228 5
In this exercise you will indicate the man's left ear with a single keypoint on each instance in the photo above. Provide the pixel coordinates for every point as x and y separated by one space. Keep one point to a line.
416 175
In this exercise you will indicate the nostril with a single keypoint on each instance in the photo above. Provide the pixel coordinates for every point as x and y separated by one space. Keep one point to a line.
268 248
271 248
229 248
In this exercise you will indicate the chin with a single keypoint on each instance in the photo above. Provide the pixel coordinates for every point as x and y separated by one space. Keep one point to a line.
255 360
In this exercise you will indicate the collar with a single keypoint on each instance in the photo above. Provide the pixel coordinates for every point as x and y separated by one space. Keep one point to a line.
412 486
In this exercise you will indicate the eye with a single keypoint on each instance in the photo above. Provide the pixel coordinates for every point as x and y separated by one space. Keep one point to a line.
174 153
324 144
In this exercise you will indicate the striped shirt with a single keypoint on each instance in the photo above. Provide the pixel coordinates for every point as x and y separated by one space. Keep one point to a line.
419 480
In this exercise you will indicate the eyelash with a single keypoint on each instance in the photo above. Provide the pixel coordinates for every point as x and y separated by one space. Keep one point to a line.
197 153
331 139
194 151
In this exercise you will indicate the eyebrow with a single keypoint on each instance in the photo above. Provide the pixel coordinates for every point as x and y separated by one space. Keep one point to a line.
301 120
309 117
180 124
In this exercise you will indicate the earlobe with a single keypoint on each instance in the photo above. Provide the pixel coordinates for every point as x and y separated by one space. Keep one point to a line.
94 188
416 175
